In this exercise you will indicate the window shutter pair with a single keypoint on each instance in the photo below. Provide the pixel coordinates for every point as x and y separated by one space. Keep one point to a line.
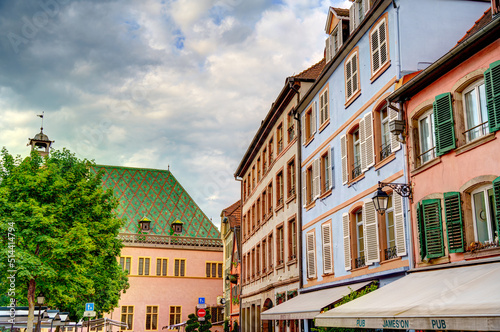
323 105
311 255
431 212
379 46
367 144
326 235
347 241
492 87
370 227
395 145
444 124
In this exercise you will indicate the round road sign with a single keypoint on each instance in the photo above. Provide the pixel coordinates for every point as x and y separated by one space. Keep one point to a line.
202 312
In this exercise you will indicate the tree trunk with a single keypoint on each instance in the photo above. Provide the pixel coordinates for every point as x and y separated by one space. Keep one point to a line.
31 305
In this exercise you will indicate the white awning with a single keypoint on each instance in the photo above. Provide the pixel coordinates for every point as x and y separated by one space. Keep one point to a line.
308 305
453 298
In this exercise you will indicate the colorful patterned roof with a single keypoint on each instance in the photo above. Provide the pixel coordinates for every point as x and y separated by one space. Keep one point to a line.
157 195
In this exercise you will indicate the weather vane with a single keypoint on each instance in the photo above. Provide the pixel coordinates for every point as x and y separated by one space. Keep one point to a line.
41 116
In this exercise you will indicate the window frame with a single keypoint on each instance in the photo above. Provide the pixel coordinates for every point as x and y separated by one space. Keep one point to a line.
124 265
291 181
484 130
490 220
292 238
280 186
324 107
180 272
127 315
279 139
375 73
141 271
177 316
163 266
350 78
280 245
154 316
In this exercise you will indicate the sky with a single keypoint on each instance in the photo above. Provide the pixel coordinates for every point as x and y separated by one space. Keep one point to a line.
157 84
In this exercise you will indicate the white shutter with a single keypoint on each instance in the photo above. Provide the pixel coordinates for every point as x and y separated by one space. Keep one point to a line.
313 117
327 248
327 49
311 255
316 177
352 17
304 188
370 149
303 128
362 143
366 6
343 151
347 242
372 251
375 50
395 146
399 224
332 163
383 43
339 35
329 168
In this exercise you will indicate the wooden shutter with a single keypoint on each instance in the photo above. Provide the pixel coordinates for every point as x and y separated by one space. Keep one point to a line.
443 119
383 43
302 129
375 51
311 255
431 212
421 231
327 49
343 151
362 144
339 36
370 149
347 241
352 17
496 196
372 251
330 167
314 113
492 87
316 177
326 233
304 188
454 221
395 145
399 224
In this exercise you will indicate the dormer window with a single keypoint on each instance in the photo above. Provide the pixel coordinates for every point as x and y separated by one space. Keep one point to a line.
145 224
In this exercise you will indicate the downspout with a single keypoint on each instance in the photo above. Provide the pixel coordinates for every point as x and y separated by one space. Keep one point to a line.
241 261
397 54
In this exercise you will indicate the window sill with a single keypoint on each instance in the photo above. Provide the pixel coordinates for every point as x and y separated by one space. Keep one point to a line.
309 140
328 274
270 270
435 261
426 166
291 261
269 215
279 207
380 71
356 179
384 162
482 253
475 143
352 98
291 198
325 194
280 266
390 260
310 205
360 268
324 125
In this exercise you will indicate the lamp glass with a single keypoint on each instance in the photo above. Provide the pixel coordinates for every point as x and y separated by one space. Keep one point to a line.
380 200
40 299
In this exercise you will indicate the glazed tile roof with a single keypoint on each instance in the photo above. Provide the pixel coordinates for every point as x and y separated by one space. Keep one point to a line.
478 25
312 72
157 195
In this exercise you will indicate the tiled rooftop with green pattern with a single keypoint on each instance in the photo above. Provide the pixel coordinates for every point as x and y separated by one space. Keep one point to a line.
157 195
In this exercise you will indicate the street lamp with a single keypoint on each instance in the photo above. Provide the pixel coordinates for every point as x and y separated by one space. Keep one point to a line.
40 299
381 199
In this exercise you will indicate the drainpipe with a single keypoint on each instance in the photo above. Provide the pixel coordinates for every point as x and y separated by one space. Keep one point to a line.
397 54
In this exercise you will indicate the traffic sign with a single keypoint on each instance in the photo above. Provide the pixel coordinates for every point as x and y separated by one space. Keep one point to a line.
201 300
204 306
202 312
89 306
89 314
201 319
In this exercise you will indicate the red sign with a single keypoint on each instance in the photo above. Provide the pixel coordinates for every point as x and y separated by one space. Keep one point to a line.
202 312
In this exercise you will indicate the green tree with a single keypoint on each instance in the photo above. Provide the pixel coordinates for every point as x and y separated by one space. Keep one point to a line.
193 325
58 234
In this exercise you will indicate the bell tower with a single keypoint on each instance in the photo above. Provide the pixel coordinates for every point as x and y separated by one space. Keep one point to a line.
41 142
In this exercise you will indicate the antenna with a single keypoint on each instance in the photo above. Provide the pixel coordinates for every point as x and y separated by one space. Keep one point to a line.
41 116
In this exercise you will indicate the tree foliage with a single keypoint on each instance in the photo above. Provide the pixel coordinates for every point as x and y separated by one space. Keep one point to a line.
193 325
64 232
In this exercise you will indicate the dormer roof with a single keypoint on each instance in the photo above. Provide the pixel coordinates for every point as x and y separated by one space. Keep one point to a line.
339 13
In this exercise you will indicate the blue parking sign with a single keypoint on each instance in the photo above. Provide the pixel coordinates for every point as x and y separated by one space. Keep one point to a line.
89 306
201 300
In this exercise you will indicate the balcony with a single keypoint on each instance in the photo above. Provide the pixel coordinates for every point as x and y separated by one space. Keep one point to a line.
385 151
356 170
391 253
359 262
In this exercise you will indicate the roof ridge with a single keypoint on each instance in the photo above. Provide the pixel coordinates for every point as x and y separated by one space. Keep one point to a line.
476 23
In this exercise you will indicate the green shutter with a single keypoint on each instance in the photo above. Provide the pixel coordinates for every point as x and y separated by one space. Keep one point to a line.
454 221
492 87
421 231
496 195
445 131
431 212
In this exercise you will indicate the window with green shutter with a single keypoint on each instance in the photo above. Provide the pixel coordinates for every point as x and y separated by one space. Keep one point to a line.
445 130
496 204
431 213
421 231
492 87
454 221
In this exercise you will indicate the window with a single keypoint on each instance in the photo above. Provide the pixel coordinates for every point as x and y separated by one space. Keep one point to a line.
334 42
175 315
309 124
271 155
217 314
357 13
179 267
258 170
257 211
311 254
151 318
279 138
264 164
253 177
213 270
476 115
127 317
270 199
270 255
291 126
325 176
351 76
324 113
356 149
290 177
379 46
257 259
244 189
143 266
390 251
125 263
280 249
264 195
161 266
385 135
307 188
326 237
483 212
360 241
426 137
264 252
292 239
254 217
253 263
279 189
